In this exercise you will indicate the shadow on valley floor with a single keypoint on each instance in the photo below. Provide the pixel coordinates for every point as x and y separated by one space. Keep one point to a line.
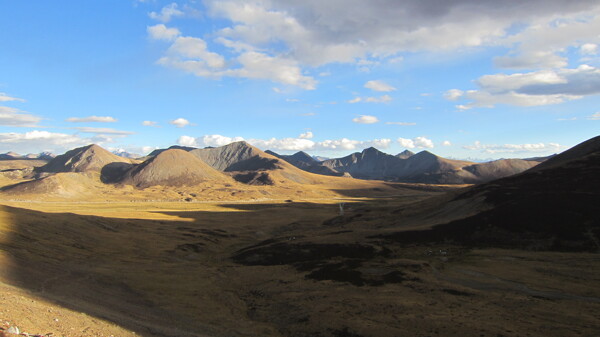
155 277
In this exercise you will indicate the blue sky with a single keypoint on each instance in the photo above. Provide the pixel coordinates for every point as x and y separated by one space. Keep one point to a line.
463 79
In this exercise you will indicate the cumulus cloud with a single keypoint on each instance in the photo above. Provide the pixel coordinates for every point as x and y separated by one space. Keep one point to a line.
161 32
276 40
417 142
542 43
514 148
541 87
191 54
92 119
5 98
15 117
446 143
379 86
180 122
167 13
318 33
365 119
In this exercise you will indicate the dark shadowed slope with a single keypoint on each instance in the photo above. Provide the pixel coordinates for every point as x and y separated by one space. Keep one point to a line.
307 163
368 164
172 167
424 167
405 154
551 206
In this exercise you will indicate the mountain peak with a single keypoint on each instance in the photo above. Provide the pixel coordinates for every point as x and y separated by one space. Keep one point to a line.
83 159
405 154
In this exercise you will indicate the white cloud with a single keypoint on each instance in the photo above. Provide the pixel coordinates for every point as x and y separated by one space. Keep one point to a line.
286 144
306 135
104 131
365 119
37 141
150 123
161 32
589 49
453 94
147 149
379 86
167 13
595 116
15 117
187 141
542 87
349 144
514 148
191 55
180 122
261 66
417 142
5 98
381 99
423 142
92 119
208 140
318 33
400 123
446 143
279 40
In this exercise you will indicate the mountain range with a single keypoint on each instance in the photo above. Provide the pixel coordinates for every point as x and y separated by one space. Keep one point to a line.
423 167
15 156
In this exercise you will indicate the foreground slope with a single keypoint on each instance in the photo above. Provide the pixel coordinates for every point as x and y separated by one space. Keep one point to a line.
551 206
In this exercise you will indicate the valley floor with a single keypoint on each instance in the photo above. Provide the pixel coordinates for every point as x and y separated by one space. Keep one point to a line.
274 268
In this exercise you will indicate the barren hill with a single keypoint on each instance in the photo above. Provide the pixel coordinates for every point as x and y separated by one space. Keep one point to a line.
405 154
90 158
172 167
368 164
238 156
307 163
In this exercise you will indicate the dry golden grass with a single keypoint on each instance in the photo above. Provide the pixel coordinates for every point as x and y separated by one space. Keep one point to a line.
165 269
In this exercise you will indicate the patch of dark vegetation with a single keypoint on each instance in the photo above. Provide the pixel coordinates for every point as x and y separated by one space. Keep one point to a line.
285 253
456 292
191 247
349 272
345 332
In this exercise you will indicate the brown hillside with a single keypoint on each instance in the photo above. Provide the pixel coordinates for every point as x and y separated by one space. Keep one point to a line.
173 168
83 159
